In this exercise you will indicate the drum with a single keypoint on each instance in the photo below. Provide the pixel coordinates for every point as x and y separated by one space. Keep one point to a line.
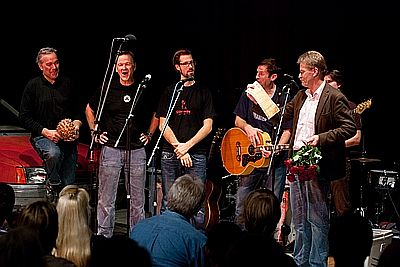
384 197
383 179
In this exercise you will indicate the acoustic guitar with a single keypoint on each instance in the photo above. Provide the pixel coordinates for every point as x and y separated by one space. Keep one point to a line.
212 187
240 157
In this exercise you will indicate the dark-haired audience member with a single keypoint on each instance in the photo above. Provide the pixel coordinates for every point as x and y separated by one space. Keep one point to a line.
220 238
42 216
390 256
117 251
170 238
260 215
350 240
7 202
21 247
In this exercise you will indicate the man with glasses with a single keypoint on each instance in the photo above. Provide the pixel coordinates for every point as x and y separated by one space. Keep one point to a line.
190 122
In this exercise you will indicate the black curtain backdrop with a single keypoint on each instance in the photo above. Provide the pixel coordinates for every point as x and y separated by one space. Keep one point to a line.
227 38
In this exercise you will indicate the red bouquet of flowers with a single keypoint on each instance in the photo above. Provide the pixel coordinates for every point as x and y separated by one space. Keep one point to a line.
304 164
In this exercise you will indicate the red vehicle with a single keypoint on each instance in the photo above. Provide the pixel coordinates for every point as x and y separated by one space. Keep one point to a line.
20 165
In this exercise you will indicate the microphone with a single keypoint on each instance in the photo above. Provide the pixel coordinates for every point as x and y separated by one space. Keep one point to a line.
288 76
145 80
291 81
188 79
128 37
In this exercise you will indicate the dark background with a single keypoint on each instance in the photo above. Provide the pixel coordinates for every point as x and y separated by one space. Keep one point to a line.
227 38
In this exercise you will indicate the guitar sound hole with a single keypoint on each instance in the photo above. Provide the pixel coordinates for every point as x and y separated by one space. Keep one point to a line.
251 150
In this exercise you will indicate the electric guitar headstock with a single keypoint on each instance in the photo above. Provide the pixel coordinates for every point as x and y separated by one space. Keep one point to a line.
363 106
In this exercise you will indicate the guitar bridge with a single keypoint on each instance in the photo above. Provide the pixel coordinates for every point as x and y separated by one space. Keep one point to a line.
246 158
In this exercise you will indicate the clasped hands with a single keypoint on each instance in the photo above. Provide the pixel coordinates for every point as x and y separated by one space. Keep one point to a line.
181 151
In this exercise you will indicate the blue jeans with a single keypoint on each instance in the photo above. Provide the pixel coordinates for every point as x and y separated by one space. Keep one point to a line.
310 217
279 177
171 168
59 159
111 162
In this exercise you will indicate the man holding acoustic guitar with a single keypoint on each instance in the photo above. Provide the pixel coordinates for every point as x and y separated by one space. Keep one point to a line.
258 132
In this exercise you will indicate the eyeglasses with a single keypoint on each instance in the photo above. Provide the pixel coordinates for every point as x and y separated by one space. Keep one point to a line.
187 63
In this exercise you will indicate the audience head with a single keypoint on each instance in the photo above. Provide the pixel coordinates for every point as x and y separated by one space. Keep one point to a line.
390 256
350 239
21 247
7 202
261 211
42 215
220 239
74 234
122 248
186 195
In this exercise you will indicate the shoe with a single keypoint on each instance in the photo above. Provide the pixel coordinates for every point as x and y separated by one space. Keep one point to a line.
52 190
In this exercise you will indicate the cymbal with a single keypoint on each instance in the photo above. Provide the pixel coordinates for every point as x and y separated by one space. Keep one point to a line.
366 160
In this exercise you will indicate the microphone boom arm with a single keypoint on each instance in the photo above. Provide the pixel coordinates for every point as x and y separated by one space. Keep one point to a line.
171 107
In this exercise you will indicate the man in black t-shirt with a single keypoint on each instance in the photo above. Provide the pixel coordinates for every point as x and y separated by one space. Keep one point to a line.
121 151
190 122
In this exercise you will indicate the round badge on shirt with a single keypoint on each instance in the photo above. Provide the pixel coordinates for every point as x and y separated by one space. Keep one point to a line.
127 98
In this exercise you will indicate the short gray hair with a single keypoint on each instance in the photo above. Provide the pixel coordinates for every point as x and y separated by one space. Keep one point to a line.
45 51
314 59
186 195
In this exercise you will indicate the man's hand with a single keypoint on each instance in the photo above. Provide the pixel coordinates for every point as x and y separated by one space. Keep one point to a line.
52 135
181 149
313 140
145 138
252 134
265 153
186 160
101 138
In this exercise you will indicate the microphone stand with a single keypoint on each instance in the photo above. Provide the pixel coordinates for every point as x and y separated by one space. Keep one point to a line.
90 154
271 162
128 150
174 99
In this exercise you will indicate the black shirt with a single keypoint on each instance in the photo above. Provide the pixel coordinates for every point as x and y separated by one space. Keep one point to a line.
44 105
116 109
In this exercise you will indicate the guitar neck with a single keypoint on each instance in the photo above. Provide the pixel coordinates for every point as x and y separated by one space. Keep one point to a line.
271 147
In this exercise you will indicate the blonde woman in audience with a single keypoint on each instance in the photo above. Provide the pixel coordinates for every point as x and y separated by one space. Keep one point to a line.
74 234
